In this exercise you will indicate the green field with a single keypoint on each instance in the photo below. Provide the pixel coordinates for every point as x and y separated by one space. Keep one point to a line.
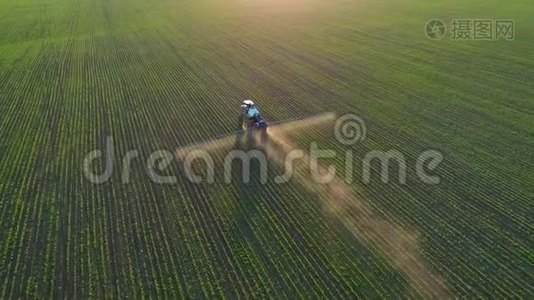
165 74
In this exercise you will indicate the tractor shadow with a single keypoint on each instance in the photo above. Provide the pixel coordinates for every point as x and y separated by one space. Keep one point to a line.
250 196
245 141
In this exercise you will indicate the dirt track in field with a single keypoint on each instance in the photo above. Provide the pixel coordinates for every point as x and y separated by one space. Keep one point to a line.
339 200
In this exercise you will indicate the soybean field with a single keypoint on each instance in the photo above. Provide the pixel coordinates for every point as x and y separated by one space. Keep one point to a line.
145 96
